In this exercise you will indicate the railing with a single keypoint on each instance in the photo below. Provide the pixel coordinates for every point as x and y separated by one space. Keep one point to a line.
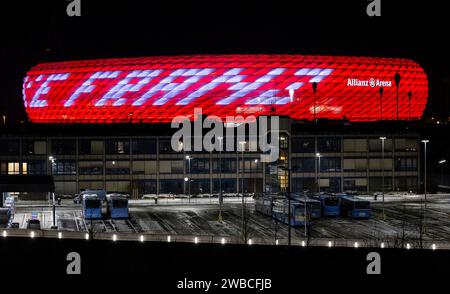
209 239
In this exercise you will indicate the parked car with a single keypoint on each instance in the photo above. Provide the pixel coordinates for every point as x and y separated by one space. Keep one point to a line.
33 224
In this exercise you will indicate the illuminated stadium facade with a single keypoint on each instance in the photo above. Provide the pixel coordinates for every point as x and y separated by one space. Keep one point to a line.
105 123
156 89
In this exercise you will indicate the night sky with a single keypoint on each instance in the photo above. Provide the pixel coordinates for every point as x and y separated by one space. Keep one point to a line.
41 31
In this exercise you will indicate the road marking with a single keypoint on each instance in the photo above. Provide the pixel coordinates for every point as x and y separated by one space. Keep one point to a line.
76 221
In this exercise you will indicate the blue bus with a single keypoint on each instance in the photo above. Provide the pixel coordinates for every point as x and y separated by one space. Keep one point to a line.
313 206
117 206
355 207
263 204
92 206
298 217
101 194
330 205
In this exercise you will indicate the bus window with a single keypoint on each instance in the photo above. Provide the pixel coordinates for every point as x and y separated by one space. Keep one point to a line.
362 205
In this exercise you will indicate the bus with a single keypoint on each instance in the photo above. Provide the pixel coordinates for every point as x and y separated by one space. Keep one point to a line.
280 212
92 206
101 194
313 208
354 207
330 205
263 204
117 206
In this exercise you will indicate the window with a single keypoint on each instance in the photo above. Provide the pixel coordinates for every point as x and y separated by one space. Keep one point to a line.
117 146
284 142
228 165
32 147
330 164
171 186
329 144
142 167
376 164
250 166
143 146
376 145
90 147
303 164
117 167
406 164
359 184
9 147
355 145
36 167
228 185
13 168
405 144
355 164
199 186
198 165
146 186
171 166
90 167
165 146
303 145
63 147
64 167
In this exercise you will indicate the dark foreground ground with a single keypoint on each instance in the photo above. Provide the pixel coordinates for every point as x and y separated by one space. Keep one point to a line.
163 265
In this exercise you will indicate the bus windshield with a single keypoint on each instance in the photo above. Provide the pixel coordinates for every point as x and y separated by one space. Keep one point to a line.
362 205
119 203
92 203
314 205
331 202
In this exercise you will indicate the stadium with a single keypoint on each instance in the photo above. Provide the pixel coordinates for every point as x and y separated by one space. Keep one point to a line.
105 123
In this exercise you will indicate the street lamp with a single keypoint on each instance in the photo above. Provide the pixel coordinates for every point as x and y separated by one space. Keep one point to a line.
189 179
397 79
425 142
220 178
52 160
242 143
442 163
382 172
289 202
318 155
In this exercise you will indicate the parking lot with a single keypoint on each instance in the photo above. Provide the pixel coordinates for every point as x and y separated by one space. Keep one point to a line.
199 217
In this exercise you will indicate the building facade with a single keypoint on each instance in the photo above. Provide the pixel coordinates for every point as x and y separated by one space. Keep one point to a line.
146 164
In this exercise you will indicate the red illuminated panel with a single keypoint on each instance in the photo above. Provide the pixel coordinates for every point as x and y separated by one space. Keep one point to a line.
156 89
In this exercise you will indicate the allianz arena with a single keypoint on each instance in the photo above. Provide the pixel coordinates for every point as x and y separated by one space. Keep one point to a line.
156 89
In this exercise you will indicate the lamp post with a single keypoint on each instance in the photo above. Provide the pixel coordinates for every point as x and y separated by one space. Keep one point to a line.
318 155
288 171
189 177
52 160
220 178
314 87
381 102
442 162
425 142
397 79
244 233
382 172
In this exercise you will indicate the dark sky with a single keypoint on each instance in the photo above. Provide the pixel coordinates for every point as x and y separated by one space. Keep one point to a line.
41 31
